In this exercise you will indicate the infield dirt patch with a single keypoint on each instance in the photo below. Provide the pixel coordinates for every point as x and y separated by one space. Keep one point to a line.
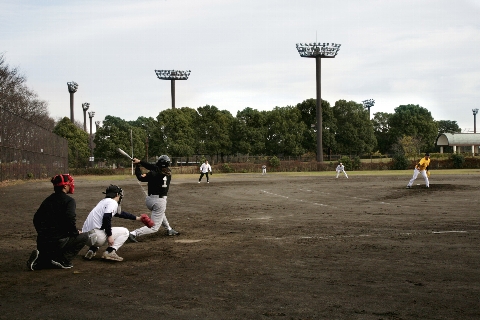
261 247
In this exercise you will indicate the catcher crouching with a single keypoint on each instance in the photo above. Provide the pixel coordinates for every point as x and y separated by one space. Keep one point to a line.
99 225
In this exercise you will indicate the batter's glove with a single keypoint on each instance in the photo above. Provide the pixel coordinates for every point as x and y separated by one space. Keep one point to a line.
428 174
146 220
211 172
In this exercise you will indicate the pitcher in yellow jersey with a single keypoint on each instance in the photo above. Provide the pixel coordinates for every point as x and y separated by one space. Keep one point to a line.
421 167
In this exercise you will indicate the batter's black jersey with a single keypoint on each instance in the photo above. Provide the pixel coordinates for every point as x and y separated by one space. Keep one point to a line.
56 219
158 182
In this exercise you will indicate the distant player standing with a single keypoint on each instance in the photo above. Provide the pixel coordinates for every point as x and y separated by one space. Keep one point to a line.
264 169
205 168
421 167
341 168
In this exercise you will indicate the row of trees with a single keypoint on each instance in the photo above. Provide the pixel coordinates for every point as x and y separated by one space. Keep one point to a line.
285 131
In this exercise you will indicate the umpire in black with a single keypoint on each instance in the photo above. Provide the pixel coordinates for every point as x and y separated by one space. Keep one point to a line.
58 239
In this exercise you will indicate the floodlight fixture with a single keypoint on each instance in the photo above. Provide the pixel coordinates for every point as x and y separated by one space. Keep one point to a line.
368 104
72 88
318 51
173 75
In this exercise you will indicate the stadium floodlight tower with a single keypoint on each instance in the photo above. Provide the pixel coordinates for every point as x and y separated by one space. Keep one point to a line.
475 111
72 88
85 107
173 75
368 104
318 51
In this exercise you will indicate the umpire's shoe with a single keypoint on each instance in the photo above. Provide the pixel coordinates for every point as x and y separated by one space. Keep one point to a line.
172 232
63 264
32 261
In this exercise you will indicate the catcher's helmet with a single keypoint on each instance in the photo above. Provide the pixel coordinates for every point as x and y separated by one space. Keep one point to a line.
163 161
61 180
112 192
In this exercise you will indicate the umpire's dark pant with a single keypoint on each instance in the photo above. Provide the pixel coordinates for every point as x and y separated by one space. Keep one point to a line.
201 176
60 250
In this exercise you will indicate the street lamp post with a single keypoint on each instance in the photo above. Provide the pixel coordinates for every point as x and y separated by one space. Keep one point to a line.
72 88
91 114
475 111
85 107
173 75
368 104
318 51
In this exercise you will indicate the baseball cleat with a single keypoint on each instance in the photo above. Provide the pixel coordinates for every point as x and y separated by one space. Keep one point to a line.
90 254
111 256
32 261
132 238
172 232
408 187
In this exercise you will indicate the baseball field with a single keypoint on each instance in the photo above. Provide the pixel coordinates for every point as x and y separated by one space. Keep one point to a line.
279 246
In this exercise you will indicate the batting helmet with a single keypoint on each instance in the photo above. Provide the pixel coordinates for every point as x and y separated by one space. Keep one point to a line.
163 161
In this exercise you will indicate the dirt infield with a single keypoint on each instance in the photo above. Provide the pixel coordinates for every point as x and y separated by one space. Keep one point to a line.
262 247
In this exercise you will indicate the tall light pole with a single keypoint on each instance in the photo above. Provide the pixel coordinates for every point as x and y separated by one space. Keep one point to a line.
173 75
368 104
97 125
72 88
91 114
475 111
318 51
85 107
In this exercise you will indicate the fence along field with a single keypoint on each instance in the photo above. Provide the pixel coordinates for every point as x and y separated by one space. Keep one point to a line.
28 151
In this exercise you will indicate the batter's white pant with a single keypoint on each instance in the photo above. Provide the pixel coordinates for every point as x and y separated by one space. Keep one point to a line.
120 235
338 172
415 175
157 206
264 171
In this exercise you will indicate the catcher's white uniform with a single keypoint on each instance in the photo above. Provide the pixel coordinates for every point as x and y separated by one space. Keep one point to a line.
95 222
341 168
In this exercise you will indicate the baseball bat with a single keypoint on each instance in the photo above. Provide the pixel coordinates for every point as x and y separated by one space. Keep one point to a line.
124 153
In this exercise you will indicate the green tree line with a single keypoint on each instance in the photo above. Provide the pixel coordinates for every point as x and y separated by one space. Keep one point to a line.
283 131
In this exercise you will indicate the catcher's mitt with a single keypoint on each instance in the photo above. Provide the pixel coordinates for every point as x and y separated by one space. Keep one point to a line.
146 220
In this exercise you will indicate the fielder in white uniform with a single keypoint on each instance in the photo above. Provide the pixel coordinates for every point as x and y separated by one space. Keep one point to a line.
205 168
264 169
99 225
340 169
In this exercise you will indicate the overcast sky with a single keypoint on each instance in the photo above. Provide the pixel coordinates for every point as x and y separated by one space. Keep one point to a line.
242 53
